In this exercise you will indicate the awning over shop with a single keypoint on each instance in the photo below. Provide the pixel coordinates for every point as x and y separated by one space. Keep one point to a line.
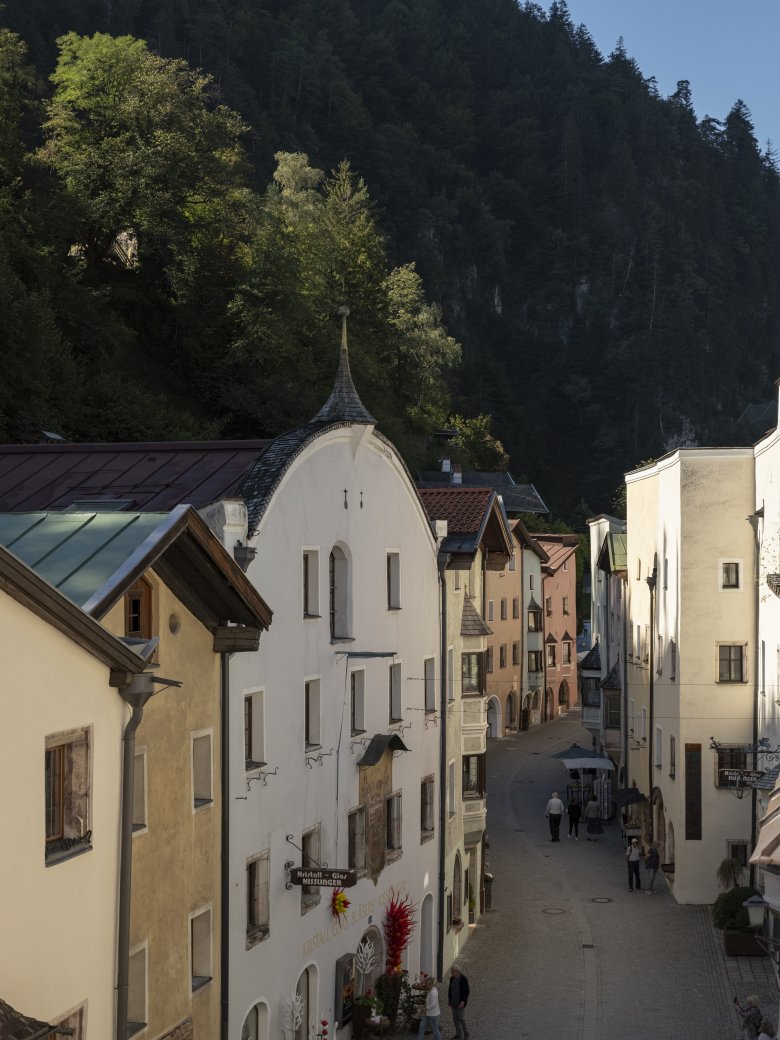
630 796
576 757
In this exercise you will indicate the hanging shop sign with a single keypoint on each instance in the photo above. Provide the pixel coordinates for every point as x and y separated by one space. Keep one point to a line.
741 776
323 877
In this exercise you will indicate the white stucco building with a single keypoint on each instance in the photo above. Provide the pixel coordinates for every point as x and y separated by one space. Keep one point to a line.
691 655
321 715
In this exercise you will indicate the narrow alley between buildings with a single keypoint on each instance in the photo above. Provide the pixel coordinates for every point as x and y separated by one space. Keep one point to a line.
567 950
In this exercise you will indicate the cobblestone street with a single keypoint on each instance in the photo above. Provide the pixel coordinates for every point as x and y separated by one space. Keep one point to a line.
567 951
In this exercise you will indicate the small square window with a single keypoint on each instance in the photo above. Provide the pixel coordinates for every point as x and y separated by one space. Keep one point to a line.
502 656
138 610
566 652
471 673
503 609
531 582
516 607
548 606
490 610
489 660
202 778
516 653
566 604
535 661
730 575
200 949
513 561
551 656
731 663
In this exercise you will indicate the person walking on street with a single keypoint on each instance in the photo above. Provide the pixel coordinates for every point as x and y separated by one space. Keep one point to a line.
652 863
553 812
633 856
458 998
593 818
575 811
750 1016
432 1012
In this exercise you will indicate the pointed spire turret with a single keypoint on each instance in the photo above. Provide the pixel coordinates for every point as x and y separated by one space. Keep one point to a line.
344 405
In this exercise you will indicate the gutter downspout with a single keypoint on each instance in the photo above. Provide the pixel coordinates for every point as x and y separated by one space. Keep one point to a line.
136 695
651 584
443 560
753 521
224 996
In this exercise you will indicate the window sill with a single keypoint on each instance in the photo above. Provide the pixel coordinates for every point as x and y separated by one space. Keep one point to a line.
394 721
200 982
202 803
134 1028
312 617
391 855
54 858
140 828
312 749
393 610
250 765
472 796
426 836
255 936
430 710
356 732
341 639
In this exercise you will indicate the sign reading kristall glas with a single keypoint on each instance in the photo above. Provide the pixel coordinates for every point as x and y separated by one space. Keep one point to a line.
323 877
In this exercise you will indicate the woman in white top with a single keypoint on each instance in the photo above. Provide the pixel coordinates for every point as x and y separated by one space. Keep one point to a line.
432 1012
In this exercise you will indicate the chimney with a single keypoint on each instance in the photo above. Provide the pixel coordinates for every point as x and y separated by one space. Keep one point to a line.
456 476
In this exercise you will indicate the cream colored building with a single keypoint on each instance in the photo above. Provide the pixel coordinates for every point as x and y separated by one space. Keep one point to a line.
504 669
691 655
477 541
62 760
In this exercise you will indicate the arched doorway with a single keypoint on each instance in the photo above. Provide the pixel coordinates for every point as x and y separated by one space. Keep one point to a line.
426 935
255 1025
511 711
525 712
306 989
549 708
494 718
563 695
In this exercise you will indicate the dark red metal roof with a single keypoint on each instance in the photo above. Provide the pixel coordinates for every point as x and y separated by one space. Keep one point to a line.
149 476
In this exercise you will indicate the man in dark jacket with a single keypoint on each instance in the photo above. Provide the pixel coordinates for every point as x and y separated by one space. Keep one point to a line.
458 998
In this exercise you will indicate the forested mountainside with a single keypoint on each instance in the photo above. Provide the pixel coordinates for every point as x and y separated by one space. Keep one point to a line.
608 263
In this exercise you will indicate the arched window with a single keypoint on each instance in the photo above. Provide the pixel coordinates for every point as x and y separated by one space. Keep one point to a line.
563 693
339 594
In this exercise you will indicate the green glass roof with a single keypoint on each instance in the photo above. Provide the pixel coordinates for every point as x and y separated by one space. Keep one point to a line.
77 552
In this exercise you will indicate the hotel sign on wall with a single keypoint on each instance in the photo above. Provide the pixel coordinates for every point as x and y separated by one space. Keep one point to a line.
323 877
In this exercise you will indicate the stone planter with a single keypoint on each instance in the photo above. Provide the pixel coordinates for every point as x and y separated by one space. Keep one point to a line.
741 944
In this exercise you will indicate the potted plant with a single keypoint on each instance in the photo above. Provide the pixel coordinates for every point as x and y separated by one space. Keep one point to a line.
364 1007
730 916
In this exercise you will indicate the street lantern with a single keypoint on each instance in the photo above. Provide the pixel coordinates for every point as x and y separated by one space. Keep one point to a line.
755 907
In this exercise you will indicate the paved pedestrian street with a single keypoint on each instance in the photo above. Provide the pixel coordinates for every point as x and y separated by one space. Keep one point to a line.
568 952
